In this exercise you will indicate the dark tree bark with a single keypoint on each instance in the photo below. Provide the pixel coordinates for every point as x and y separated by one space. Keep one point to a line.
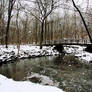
45 30
83 21
41 37
36 29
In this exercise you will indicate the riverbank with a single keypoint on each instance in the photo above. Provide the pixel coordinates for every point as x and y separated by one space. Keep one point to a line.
15 86
26 51
79 52
30 51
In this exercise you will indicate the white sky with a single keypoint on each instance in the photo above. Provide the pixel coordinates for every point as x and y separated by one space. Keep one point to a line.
80 3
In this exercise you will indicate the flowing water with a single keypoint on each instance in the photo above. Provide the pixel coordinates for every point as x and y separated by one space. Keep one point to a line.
71 77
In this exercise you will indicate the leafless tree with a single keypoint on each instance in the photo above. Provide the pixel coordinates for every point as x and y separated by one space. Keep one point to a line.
2 21
10 8
17 27
82 20
43 8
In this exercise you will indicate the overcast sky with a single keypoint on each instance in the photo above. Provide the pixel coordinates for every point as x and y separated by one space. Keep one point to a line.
81 3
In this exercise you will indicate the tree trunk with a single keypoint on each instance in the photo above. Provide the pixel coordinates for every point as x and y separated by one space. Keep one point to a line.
10 7
7 29
45 30
83 21
41 34
18 33
51 30
36 29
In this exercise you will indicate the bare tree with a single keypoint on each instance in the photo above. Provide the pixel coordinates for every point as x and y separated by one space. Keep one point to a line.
2 21
82 20
10 8
44 12
17 28
43 8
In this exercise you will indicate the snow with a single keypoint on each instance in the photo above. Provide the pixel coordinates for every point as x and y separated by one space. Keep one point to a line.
79 52
9 85
28 51
25 51
44 80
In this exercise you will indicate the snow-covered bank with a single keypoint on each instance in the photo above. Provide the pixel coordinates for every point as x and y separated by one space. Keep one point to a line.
9 85
79 52
26 51
41 79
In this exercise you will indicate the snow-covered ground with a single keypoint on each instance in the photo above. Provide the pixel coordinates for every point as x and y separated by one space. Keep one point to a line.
42 79
79 52
28 51
9 85
25 52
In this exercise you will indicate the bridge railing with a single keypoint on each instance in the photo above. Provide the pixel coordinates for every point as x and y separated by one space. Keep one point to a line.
62 41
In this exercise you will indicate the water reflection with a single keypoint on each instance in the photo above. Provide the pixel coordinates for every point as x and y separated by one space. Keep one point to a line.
19 69
12 70
58 60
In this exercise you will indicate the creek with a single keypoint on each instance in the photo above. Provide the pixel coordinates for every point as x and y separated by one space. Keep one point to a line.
70 77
